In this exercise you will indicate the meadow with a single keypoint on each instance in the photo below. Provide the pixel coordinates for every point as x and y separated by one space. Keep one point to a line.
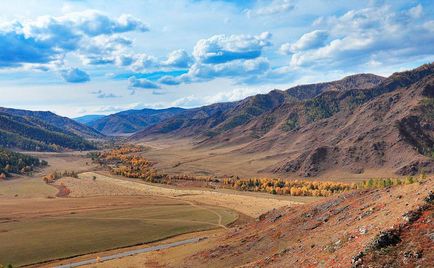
55 235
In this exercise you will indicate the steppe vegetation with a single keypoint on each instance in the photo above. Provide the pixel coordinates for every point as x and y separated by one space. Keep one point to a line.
128 161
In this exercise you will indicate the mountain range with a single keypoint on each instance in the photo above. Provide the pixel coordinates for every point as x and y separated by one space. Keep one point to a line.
360 122
129 121
43 131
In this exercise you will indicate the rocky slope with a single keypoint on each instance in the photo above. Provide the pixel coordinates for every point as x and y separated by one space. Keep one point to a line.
217 120
357 123
391 227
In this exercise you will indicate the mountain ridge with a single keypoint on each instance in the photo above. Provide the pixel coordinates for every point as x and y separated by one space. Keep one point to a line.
310 135
27 130
131 121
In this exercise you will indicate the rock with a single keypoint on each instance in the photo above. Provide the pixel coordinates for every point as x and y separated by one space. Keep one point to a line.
357 260
411 216
430 198
363 230
385 239
431 236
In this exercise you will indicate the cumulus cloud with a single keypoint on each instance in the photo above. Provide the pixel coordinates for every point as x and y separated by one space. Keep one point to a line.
104 50
233 95
359 37
243 68
222 48
74 75
307 41
94 23
178 58
169 80
142 62
135 83
47 39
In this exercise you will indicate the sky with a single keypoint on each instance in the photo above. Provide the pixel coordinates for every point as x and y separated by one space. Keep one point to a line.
82 57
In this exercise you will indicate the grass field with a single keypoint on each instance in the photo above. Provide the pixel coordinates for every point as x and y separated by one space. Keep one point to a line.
33 240
26 187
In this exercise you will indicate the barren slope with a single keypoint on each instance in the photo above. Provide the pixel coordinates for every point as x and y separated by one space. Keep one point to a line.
331 233
352 125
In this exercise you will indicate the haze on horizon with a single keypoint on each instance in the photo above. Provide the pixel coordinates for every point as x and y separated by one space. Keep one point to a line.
86 57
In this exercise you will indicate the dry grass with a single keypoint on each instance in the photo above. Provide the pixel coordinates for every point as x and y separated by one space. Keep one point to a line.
25 187
55 235
107 185
182 156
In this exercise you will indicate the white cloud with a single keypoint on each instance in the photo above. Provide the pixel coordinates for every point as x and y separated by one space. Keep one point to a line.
360 36
74 75
242 68
49 38
272 8
169 80
143 83
144 62
307 41
178 58
222 48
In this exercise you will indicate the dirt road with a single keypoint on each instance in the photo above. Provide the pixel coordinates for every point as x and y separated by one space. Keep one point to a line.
131 252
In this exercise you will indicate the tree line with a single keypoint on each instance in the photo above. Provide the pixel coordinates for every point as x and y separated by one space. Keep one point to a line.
12 162
128 161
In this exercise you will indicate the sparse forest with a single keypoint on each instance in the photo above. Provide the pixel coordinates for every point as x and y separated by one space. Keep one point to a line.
127 161
11 162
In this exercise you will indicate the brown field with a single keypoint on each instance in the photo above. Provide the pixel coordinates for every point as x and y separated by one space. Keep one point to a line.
183 156
110 212
40 231
26 187
249 204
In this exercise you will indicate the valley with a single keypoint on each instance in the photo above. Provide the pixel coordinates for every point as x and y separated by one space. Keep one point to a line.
312 176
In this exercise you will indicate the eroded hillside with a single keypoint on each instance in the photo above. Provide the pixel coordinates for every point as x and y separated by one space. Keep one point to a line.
362 122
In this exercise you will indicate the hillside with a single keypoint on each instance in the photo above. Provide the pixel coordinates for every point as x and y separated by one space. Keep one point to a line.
11 162
130 121
360 122
389 227
33 134
219 119
59 122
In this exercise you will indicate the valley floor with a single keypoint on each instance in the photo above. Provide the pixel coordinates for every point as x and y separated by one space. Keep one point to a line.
187 156
102 212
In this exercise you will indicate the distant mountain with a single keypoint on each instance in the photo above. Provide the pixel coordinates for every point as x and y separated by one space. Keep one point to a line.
218 119
87 118
355 124
60 122
132 120
26 130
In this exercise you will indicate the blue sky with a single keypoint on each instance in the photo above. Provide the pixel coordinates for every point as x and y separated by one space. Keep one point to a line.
99 57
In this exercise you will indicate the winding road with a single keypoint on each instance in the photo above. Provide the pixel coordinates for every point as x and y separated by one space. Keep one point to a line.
130 253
